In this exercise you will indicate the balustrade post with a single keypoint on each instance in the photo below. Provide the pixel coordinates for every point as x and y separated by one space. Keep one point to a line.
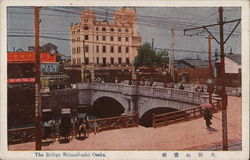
153 119
166 120
185 115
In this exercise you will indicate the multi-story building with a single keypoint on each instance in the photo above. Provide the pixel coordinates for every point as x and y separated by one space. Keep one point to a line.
109 47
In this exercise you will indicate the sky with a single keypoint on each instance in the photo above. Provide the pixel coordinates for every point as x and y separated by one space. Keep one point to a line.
153 23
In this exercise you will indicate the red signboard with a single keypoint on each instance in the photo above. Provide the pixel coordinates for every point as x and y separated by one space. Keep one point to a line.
29 57
21 80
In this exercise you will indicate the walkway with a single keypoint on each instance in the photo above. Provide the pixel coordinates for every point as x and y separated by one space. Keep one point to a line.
191 135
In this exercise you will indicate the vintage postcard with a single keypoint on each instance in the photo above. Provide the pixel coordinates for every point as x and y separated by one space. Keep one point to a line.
129 80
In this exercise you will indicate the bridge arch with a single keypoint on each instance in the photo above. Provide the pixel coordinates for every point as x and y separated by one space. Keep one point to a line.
106 106
146 118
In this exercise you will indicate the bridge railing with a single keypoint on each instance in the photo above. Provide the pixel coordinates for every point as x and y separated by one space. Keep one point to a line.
129 89
158 92
103 124
160 120
21 135
27 134
165 119
175 94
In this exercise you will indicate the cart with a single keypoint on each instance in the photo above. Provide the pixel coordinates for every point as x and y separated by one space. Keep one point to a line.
65 124
48 124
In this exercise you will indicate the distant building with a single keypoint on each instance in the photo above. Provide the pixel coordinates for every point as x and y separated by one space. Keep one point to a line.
48 68
233 63
192 70
232 69
109 47
49 48
21 66
191 63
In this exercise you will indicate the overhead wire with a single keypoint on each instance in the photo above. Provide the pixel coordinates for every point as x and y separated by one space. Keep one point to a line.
140 21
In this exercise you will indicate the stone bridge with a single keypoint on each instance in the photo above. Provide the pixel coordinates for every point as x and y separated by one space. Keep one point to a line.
141 99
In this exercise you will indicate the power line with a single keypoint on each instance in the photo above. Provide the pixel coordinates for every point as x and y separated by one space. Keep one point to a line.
143 20
67 39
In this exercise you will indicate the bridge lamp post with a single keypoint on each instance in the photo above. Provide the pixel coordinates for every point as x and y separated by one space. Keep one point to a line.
210 89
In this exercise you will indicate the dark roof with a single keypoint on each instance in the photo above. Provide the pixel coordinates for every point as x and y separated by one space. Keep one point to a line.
196 63
234 57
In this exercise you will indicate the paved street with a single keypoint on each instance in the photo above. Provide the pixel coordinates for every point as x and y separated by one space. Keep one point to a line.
191 135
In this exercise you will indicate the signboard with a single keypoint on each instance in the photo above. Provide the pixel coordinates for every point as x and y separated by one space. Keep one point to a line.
21 80
29 57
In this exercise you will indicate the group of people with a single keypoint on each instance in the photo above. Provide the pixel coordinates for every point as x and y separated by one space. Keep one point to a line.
66 126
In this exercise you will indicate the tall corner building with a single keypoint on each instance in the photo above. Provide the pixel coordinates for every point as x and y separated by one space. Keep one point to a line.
109 47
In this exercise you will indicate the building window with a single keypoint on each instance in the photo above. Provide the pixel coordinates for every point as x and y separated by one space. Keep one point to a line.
126 39
111 49
86 37
73 32
126 30
77 50
78 39
86 61
103 29
112 60
127 61
86 27
104 61
112 29
86 48
79 61
97 38
97 49
119 38
120 60
111 38
103 38
97 60
104 49
127 49
119 30
119 49
96 28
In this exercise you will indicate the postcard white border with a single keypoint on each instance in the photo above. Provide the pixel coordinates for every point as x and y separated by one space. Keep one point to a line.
244 4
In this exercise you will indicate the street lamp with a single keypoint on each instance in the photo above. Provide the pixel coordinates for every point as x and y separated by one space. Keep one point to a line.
210 89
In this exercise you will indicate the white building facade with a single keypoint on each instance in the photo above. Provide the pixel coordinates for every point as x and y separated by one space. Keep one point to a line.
109 46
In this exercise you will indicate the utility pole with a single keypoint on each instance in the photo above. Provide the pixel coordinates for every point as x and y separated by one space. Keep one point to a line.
106 15
223 87
221 42
84 67
153 41
171 59
210 69
38 82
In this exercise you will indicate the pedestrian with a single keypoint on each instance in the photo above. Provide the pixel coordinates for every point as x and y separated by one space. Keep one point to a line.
181 87
208 116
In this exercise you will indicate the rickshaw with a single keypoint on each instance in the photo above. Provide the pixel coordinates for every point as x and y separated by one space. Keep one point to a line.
65 124
48 124
82 121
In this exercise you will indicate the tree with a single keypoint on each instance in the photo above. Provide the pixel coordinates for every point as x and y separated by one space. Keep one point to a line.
149 57
146 56
162 59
